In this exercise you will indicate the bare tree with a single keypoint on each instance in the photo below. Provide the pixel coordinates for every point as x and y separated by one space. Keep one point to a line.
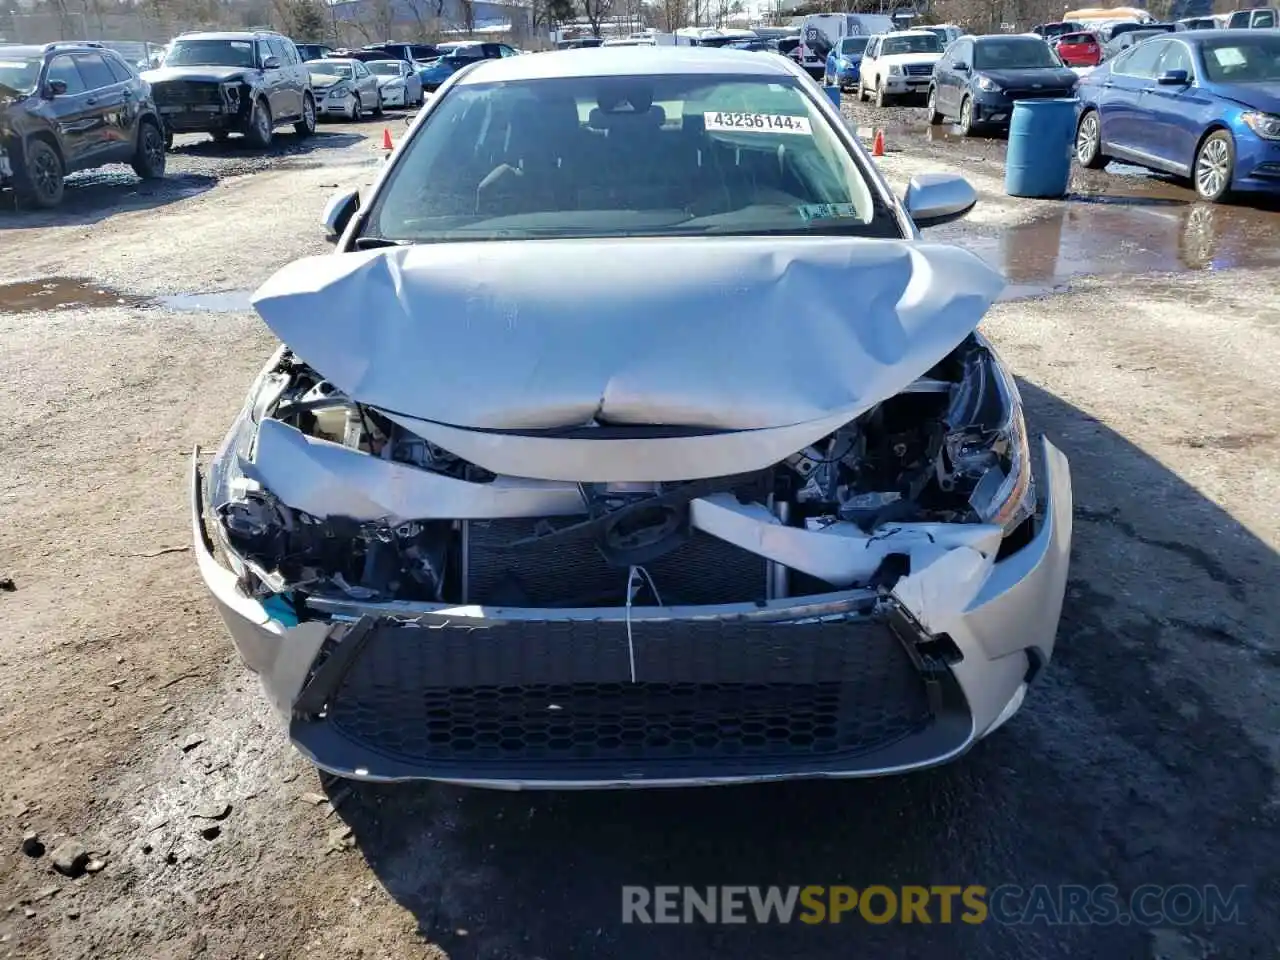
673 14
596 12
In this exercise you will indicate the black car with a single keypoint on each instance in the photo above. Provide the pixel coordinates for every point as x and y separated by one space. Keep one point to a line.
225 83
978 79
408 52
67 107
313 51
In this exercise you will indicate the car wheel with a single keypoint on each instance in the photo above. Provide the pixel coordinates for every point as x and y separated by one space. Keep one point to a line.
931 108
881 98
1215 162
260 125
307 125
39 180
966 117
168 140
1089 142
862 92
377 110
148 158
357 109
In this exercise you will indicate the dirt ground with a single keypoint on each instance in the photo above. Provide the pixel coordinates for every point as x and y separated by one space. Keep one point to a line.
1144 331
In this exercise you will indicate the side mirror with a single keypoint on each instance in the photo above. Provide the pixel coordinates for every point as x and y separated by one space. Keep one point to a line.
271 63
936 198
55 88
342 206
960 66
1173 78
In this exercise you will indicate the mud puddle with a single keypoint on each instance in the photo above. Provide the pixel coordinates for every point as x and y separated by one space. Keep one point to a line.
78 293
1110 235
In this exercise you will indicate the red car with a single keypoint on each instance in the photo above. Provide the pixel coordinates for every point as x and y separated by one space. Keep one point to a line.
1080 49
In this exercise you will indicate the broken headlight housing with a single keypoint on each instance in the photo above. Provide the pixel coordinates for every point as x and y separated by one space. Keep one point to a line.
1005 496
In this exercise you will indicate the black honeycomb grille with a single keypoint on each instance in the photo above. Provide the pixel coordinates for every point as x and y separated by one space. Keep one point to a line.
547 694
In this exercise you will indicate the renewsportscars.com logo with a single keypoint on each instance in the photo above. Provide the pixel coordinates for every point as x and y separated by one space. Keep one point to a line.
1066 904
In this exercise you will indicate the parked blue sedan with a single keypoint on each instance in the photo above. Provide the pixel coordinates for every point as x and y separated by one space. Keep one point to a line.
1202 104
844 61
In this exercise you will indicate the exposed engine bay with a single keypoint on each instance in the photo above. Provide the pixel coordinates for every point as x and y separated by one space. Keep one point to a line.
949 449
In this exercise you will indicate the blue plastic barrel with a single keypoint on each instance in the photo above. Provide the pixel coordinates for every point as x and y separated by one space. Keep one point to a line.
1041 136
834 94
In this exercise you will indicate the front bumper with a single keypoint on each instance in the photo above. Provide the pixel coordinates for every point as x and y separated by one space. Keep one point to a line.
1257 163
201 118
847 684
907 85
341 107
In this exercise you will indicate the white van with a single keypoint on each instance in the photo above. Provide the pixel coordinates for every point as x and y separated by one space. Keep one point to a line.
820 32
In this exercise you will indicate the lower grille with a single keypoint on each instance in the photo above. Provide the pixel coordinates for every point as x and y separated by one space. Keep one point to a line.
1036 94
178 93
554 699
704 570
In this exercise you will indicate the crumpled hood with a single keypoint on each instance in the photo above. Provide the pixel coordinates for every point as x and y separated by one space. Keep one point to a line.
205 74
718 333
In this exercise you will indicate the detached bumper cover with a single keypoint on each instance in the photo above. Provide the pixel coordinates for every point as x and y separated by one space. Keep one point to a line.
841 685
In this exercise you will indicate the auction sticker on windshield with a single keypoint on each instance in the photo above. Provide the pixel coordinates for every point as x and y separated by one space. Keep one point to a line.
757 123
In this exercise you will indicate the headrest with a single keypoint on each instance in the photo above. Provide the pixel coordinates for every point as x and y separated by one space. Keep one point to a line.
633 98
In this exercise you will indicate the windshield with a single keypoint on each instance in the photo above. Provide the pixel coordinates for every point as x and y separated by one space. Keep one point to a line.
662 155
463 54
214 53
328 68
917 43
19 74
385 68
1252 59
1074 38
853 45
1013 55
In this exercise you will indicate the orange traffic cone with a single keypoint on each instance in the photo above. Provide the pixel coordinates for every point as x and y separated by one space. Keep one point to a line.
877 148
386 140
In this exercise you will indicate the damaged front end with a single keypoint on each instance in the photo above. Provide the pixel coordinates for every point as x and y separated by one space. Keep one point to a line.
873 599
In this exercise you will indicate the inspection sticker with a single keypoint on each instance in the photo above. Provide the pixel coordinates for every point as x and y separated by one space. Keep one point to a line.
826 211
757 123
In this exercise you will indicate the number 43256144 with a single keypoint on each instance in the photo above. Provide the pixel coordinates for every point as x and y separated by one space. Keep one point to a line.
756 123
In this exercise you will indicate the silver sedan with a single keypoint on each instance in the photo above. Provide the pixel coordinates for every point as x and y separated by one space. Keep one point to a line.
751 499
344 88
398 82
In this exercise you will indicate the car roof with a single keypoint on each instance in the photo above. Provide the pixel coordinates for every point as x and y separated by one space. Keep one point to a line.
1201 36
394 63
22 49
629 62
343 60
227 35
909 33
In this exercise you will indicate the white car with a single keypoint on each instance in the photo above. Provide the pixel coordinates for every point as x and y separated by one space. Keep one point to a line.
750 499
398 83
899 64
344 88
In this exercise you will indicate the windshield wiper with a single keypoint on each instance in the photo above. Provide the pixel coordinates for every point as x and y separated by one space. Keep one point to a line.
372 243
